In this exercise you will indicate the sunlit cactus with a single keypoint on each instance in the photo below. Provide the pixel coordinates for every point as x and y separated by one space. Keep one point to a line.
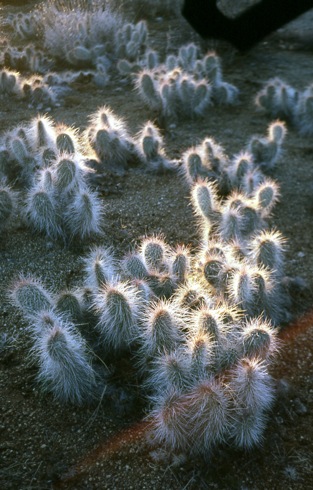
267 250
239 167
39 94
169 371
161 330
108 137
67 140
10 83
214 155
252 392
100 267
190 296
42 212
205 202
68 173
208 414
210 67
41 133
84 214
133 267
231 224
266 195
180 263
266 151
241 288
187 56
201 355
155 252
117 306
259 340
147 88
169 423
163 284
193 166
150 142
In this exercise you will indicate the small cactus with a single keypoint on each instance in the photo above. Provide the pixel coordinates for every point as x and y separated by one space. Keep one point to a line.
8 204
154 251
277 99
30 296
99 267
84 214
161 330
117 308
253 394
64 367
42 212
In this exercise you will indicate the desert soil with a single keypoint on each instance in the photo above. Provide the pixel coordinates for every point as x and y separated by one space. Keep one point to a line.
46 445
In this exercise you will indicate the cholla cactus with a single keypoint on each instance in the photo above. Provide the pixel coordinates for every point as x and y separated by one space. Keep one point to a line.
42 212
267 251
69 305
108 136
277 99
38 93
8 205
41 133
67 140
155 253
206 203
29 59
304 112
206 161
100 268
266 151
252 391
10 83
26 26
174 93
180 263
117 305
30 296
64 367
162 329
150 142
84 214
131 40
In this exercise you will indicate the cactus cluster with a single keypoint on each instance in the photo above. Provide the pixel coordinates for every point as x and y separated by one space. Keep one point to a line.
33 89
116 150
91 36
183 84
131 40
108 137
47 162
25 26
151 145
26 59
196 331
244 171
279 99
